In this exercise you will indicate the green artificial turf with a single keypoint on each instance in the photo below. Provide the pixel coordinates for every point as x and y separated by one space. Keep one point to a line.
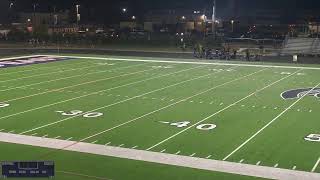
138 104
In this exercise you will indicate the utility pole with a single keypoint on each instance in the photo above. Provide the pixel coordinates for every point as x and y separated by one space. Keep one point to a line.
214 18
78 14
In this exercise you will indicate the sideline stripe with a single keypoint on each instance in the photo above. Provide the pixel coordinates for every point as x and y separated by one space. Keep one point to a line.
218 112
191 62
162 158
119 102
267 125
170 105
86 95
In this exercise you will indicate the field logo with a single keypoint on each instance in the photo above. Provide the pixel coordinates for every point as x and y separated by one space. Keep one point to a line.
298 93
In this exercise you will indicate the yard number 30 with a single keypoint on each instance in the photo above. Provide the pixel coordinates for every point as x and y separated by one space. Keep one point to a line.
3 105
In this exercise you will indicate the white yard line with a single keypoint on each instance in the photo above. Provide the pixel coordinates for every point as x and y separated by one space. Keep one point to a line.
71 99
50 73
191 62
161 158
76 85
218 112
122 101
315 166
267 125
69 77
170 105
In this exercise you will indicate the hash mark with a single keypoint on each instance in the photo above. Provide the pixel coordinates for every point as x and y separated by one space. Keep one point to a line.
294 167
57 137
208 157
192 154
134 147
107 143
276 165
163 150
177 153
241 160
258 163
121 145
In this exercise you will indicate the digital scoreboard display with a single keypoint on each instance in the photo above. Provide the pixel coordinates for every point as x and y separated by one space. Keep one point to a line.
27 169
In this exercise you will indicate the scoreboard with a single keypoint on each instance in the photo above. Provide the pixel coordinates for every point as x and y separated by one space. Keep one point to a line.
27 169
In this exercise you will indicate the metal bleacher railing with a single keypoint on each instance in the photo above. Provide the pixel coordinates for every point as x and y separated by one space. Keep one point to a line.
304 46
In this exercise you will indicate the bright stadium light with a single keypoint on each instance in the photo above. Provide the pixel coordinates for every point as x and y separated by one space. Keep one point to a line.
203 17
124 10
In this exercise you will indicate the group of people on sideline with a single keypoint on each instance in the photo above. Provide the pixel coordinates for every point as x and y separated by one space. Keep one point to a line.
201 52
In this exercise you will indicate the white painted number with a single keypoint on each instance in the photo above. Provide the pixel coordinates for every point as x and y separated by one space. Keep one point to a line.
72 113
3 105
78 112
206 127
203 127
93 115
313 138
180 124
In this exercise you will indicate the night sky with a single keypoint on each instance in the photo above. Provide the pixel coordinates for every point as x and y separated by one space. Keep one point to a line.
108 11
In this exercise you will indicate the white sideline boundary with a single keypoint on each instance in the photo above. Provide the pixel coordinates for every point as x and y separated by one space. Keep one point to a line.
161 158
189 62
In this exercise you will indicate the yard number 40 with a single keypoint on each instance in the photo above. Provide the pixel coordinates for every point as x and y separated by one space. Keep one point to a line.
205 127
313 138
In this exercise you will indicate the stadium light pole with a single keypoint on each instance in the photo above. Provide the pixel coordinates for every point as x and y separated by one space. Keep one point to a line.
232 25
78 14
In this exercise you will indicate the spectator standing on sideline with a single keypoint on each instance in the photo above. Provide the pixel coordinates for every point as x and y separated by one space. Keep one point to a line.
247 54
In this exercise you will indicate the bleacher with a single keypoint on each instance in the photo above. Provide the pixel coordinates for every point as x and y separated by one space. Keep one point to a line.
304 46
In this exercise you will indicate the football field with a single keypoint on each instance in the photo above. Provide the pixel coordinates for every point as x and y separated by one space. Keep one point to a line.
261 115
